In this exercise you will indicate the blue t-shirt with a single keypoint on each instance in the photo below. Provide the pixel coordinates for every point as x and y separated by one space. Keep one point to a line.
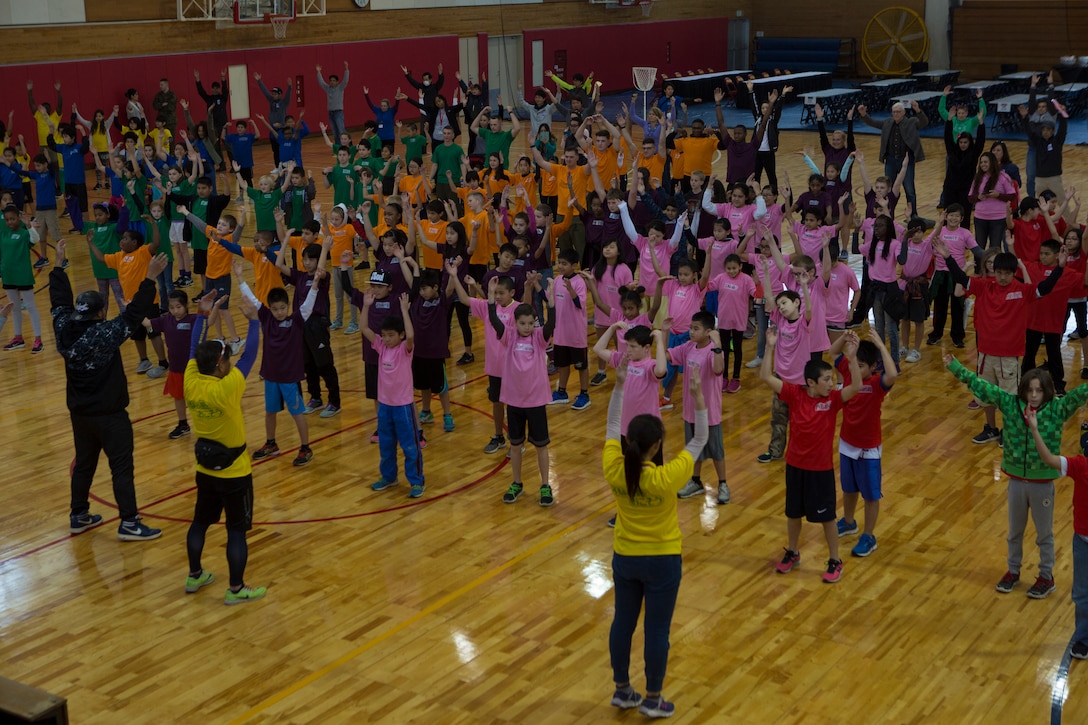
45 189
9 176
74 155
117 186
291 148
241 146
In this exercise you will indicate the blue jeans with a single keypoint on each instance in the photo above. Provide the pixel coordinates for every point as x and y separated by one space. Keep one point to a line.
762 318
885 323
398 424
538 295
676 339
336 125
655 579
1080 588
892 167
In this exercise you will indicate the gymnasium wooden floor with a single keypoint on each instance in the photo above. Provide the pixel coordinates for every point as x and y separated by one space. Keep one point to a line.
457 608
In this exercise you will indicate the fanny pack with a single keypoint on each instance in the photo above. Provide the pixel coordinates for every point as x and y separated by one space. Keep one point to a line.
215 456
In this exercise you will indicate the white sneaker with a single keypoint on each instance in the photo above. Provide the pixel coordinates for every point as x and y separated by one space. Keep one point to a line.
902 352
755 363
913 356
237 346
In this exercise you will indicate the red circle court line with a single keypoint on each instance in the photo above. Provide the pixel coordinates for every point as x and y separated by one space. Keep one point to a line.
69 537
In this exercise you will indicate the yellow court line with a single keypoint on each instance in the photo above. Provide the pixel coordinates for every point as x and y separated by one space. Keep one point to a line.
429 610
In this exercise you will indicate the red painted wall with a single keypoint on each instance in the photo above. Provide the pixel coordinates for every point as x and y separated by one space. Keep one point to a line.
674 46
102 83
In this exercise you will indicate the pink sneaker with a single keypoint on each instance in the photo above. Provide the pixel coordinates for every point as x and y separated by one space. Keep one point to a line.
732 386
973 405
790 560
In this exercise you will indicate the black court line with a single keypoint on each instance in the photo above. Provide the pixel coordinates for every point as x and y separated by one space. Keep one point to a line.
1061 686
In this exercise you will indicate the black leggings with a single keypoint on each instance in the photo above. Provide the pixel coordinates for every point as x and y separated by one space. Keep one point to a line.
1080 314
734 339
765 160
1053 343
237 551
462 320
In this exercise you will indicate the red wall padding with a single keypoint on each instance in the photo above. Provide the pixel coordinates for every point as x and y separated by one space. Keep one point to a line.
102 83
674 46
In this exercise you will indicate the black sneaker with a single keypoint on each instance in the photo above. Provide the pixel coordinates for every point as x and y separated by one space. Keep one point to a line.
1008 582
599 378
767 457
363 265
496 444
547 498
467 358
958 344
1079 650
1084 373
182 429
988 435
931 340
514 492
1042 588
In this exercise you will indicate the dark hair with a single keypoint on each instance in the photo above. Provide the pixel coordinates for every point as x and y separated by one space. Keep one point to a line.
311 251
179 296
886 236
868 352
655 225
1004 151
209 353
1005 262
524 310
642 433
991 182
724 223
704 318
689 263
954 209
130 93
230 219
734 259
436 206
278 295
461 245
394 323
1045 381
632 295
508 247
1027 204
430 278
787 294
135 236
204 181
815 368
313 226
1051 244
568 255
506 282
602 264
640 334
40 159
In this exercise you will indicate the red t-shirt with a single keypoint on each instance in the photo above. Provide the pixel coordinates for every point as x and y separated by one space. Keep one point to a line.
1028 237
1047 313
1001 315
861 414
812 427
1076 467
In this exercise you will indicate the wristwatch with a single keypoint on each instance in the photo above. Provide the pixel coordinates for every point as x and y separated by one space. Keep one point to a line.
716 350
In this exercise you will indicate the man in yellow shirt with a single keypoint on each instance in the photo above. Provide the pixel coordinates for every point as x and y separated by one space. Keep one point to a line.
224 475
51 118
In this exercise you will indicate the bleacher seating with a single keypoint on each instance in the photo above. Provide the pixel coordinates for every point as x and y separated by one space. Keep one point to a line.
797 54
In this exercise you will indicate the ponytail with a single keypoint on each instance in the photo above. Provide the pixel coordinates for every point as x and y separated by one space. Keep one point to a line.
642 433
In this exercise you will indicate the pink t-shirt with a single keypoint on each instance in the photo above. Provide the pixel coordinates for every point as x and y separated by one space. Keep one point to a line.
570 319
818 341
608 288
918 258
777 278
642 319
699 361
993 209
842 281
493 351
718 251
647 277
394 374
811 241
733 296
640 390
791 350
742 219
684 301
525 369
959 240
881 268
773 221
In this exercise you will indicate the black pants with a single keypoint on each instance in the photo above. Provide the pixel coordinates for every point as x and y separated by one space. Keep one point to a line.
275 143
941 290
765 161
734 338
1053 343
318 361
462 320
111 433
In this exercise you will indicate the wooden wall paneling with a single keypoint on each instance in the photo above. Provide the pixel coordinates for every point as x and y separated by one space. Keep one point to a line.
119 11
803 19
987 34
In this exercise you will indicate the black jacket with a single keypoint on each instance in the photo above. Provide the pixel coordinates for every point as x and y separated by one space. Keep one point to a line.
91 348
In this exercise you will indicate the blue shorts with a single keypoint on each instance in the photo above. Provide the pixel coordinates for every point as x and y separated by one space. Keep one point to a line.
278 396
860 475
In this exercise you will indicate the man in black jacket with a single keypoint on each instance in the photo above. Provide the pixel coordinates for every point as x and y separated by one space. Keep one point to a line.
98 392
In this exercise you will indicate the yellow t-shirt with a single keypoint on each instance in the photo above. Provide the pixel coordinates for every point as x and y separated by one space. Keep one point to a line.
43 126
167 138
215 413
698 153
646 524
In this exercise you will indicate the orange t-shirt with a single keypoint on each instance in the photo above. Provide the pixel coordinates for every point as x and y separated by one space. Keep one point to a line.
298 245
526 181
549 185
219 257
678 165
131 270
607 168
434 232
566 179
492 186
343 240
485 243
266 276
655 165
416 189
698 152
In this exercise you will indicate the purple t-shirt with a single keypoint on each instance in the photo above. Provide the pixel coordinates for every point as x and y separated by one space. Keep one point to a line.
378 312
281 361
391 267
178 336
302 282
432 329
517 273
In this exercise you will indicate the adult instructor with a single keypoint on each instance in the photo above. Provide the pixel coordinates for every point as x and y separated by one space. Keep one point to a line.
646 558
899 137
98 392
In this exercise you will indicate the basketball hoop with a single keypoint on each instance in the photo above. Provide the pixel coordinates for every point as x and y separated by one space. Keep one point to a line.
644 77
279 25
647 6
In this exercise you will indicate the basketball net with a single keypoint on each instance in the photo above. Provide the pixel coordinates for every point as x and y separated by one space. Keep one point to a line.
647 6
279 25
644 78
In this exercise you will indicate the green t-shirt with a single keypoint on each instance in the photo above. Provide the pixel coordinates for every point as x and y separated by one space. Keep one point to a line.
108 241
165 247
414 147
393 164
265 205
15 267
200 211
296 209
352 151
448 158
343 190
497 141
135 201
185 188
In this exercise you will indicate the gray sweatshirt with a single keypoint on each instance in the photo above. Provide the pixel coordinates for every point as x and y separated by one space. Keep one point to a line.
335 93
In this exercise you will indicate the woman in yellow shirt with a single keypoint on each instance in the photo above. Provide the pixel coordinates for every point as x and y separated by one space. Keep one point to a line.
646 557
99 130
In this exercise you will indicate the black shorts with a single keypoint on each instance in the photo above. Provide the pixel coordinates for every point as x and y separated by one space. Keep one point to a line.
200 261
917 310
141 333
232 495
429 374
566 356
222 287
247 174
494 388
536 419
370 380
810 494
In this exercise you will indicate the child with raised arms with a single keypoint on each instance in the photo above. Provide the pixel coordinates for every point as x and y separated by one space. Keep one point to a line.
609 275
734 290
958 240
430 300
339 228
810 473
17 276
568 300
218 261
685 295
240 144
176 327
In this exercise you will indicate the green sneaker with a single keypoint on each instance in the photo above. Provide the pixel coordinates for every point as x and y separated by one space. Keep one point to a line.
426 416
546 496
245 594
512 493
194 583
